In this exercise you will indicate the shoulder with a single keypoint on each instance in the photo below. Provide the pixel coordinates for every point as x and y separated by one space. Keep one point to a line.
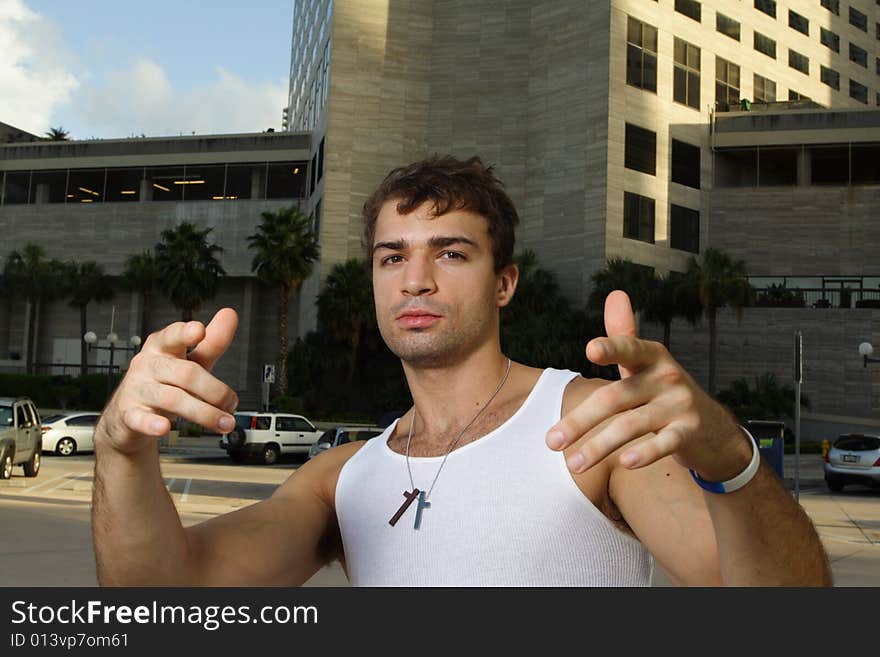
321 473
578 389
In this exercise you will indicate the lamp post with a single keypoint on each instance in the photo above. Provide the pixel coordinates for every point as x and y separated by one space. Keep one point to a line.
865 351
90 339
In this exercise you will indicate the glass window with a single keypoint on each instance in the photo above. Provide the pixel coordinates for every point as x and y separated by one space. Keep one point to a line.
831 5
865 164
767 6
203 182
85 185
858 55
777 166
685 164
798 62
321 159
765 89
858 19
689 8
794 95
798 22
314 170
765 45
124 185
83 421
684 229
727 26
48 186
829 39
640 150
686 78
286 180
858 91
829 165
641 55
736 167
23 419
240 179
17 188
161 181
726 83
638 217
301 425
830 77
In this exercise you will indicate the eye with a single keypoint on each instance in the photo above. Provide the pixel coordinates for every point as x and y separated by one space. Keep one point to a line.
391 259
453 255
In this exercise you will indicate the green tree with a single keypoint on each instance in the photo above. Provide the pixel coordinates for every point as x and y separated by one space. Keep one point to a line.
667 299
718 281
286 249
621 274
768 400
83 283
141 275
28 274
57 134
346 307
189 271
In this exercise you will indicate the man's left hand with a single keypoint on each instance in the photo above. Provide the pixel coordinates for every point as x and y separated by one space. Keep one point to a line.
654 395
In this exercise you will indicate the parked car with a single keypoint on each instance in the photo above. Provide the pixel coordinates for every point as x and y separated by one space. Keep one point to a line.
342 435
20 438
853 458
67 434
267 436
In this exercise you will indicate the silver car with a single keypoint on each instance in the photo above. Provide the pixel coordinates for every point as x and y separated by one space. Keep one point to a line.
853 458
20 440
341 435
69 433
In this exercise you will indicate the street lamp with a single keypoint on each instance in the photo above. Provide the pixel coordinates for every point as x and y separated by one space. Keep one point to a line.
90 339
865 351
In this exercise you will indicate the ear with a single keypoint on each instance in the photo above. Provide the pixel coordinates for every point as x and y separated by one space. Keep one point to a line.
507 280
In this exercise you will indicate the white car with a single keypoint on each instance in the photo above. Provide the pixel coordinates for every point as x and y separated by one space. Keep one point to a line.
268 435
67 434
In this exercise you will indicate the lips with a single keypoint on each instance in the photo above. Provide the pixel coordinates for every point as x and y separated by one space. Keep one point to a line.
417 319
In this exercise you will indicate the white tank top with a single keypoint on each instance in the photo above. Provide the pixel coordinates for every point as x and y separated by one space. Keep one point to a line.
505 511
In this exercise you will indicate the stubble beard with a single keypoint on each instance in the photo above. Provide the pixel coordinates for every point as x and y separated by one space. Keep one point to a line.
436 346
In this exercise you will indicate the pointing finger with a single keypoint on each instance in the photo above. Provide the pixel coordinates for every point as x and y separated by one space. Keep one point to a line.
632 354
620 320
217 338
175 338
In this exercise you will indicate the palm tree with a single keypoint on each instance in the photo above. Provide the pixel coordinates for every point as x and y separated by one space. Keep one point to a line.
57 134
346 307
141 275
286 249
29 275
718 281
667 299
621 274
767 400
189 271
83 283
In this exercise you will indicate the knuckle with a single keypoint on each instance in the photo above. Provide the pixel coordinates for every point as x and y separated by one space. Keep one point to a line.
167 397
672 376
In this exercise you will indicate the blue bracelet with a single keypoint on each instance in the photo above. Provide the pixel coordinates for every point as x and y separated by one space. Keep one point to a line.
738 481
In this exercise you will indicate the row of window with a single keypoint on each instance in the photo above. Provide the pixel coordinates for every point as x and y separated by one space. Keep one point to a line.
211 182
641 69
639 218
640 154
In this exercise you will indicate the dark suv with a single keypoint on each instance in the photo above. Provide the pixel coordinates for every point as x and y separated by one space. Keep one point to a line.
21 437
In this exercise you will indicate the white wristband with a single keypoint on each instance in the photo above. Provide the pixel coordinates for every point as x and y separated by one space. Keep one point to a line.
739 480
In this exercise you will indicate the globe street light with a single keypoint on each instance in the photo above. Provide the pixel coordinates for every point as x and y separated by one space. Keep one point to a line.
865 351
90 339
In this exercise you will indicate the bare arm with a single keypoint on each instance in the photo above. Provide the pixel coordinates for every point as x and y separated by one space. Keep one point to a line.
137 533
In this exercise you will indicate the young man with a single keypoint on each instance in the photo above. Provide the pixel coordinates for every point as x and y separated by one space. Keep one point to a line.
500 474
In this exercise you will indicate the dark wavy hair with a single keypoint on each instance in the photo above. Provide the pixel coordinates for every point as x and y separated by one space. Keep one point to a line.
449 184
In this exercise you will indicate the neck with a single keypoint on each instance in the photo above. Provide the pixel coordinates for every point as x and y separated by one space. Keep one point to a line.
448 397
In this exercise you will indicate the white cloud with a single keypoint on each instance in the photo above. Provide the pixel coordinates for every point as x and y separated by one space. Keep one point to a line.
140 99
34 78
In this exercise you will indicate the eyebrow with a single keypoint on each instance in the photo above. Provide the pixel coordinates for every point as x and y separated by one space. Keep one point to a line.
435 242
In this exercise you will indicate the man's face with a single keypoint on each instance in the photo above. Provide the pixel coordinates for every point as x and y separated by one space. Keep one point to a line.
434 284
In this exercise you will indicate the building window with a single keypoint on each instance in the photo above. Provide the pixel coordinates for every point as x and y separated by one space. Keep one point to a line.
798 22
765 90
858 55
798 62
640 151
689 8
878 66
830 77
321 159
685 164
726 83
858 19
765 45
858 91
794 95
727 26
641 55
829 39
831 5
767 6
686 76
684 230
638 217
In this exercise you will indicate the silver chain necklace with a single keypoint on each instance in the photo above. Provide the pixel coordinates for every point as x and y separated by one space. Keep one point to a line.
422 496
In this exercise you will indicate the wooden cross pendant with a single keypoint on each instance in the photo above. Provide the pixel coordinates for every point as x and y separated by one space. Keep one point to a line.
410 496
423 504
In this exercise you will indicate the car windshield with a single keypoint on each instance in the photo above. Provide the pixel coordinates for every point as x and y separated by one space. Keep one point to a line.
52 418
5 416
242 421
855 443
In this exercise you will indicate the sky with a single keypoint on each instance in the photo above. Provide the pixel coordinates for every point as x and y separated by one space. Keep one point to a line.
120 68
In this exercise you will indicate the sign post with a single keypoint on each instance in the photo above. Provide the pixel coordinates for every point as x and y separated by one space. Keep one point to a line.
798 379
268 379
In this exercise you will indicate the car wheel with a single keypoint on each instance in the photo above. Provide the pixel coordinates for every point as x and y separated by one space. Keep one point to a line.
66 447
270 454
32 467
236 437
238 457
5 464
834 485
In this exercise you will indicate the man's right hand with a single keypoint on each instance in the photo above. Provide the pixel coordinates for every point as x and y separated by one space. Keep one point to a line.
163 382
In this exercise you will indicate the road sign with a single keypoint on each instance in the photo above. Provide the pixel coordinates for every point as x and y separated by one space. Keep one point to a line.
268 374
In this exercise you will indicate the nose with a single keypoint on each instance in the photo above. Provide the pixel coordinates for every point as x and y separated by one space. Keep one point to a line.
418 276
